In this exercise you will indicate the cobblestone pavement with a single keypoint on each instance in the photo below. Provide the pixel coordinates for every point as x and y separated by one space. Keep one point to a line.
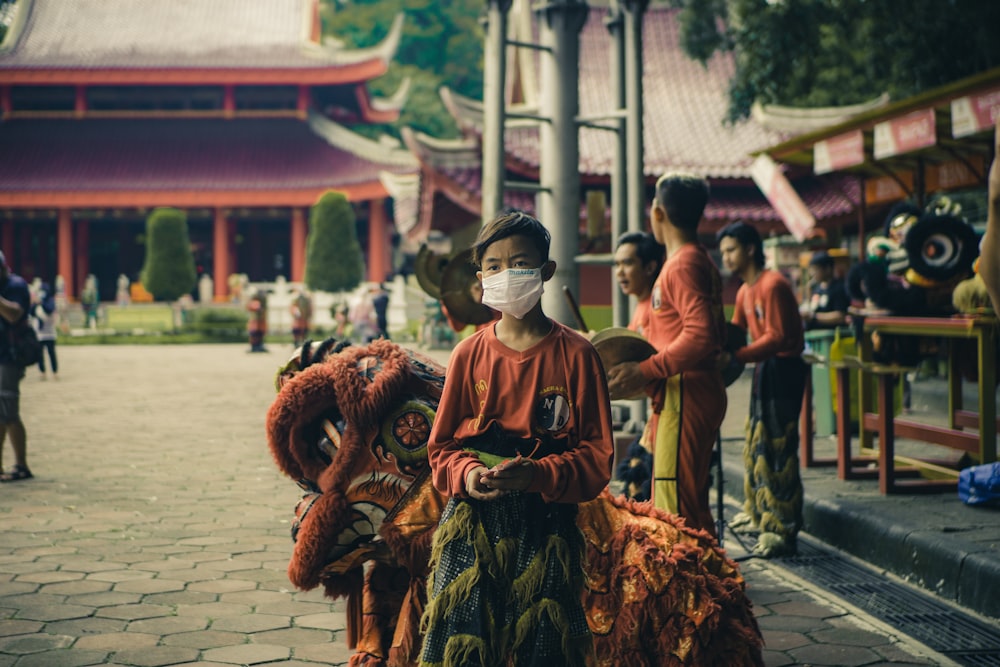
156 530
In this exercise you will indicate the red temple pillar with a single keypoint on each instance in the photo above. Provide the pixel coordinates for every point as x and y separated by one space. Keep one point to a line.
302 103
6 105
220 255
82 252
64 248
298 250
378 244
80 106
228 101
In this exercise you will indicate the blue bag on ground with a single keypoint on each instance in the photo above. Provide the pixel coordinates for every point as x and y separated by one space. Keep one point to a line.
980 485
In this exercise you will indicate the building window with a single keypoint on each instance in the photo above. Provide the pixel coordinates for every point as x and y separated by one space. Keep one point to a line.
154 98
43 98
266 98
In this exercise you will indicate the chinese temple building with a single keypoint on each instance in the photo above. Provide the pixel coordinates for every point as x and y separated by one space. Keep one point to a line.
684 103
234 111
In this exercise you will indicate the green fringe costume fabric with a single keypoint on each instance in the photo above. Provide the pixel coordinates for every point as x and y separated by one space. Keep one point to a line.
772 485
506 586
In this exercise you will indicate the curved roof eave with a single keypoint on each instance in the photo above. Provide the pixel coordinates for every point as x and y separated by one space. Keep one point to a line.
396 101
385 151
384 51
798 120
442 152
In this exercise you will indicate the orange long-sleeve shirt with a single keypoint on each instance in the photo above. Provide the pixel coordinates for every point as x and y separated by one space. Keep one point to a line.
686 325
769 310
640 318
555 390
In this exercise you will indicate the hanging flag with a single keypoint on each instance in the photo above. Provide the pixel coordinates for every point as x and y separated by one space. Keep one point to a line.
786 201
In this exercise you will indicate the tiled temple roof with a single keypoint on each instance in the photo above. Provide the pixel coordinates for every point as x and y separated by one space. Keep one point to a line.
685 105
188 155
178 34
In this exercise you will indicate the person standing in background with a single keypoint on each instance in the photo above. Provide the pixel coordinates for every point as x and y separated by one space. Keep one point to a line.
301 309
638 260
687 328
380 302
45 318
90 300
257 322
766 307
828 300
14 303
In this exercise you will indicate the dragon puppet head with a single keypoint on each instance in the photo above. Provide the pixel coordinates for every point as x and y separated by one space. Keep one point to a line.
350 425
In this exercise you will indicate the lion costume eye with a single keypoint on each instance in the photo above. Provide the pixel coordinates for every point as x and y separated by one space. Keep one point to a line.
329 440
406 430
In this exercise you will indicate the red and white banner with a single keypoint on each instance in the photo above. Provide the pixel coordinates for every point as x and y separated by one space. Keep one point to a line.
905 134
844 150
786 201
974 113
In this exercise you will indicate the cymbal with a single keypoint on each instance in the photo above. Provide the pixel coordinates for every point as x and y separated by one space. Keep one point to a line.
428 268
619 344
461 292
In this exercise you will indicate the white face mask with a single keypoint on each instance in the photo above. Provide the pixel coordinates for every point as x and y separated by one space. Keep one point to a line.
513 291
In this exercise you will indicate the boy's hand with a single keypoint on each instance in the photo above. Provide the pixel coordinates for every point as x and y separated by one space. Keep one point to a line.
476 488
514 475
625 379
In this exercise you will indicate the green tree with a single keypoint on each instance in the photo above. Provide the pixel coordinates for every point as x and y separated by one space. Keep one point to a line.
334 262
813 53
442 44
168 271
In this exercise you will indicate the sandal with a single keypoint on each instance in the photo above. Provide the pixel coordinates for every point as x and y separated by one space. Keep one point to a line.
18 472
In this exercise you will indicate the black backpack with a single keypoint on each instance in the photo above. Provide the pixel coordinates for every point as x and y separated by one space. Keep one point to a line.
25 348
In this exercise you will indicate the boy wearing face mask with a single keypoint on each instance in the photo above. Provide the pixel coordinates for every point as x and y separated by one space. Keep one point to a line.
687 327
522 434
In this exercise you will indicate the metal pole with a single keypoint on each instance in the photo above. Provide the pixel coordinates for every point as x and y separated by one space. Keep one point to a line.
636 204
494 75
560 22
620 306
636 199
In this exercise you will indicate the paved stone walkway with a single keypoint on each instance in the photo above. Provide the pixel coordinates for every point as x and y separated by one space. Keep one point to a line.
156 531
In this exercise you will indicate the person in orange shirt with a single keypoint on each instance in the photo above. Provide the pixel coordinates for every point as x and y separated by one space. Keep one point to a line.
767 308
687 327
522 435
638 260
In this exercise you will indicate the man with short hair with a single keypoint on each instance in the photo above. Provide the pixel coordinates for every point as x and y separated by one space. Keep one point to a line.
766 307
14 302
688 329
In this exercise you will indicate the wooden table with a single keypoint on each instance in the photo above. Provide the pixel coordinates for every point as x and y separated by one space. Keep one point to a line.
981 445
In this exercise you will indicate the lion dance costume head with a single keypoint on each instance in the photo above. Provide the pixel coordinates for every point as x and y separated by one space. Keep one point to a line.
912 270
350 425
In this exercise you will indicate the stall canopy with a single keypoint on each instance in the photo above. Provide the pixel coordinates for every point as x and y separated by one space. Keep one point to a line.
938 141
